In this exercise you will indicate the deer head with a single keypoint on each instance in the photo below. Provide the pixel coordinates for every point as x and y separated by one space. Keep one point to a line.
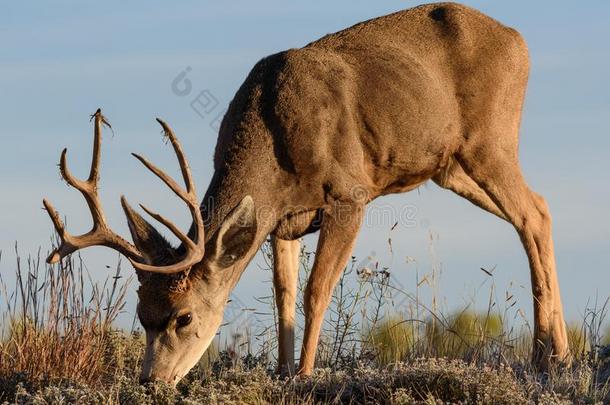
183 290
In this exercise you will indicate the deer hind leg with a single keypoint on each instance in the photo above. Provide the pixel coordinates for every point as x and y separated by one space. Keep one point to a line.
285 274
338 233
454 178
497 172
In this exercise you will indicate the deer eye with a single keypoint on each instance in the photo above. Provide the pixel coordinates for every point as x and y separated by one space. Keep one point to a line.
183 320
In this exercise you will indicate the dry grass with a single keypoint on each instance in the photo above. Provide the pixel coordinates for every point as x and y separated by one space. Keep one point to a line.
58 346
57 324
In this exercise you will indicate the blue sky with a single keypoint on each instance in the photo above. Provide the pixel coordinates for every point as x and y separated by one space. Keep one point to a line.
61 60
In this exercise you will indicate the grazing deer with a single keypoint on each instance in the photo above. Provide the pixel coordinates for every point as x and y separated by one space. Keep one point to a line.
313 135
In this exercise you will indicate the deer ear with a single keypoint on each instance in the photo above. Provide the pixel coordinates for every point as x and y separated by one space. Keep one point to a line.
236 234
148 240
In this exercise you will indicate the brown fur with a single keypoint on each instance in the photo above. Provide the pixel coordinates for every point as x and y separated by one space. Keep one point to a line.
286 263
313 134
433 92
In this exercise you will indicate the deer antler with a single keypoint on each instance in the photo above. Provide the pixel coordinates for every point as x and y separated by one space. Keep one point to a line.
194 249
101 235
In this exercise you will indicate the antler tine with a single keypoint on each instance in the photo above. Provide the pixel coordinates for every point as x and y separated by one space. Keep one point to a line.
99 234
194 249
88 188
184 165
99 120
171 226
171 183
55 255
187 176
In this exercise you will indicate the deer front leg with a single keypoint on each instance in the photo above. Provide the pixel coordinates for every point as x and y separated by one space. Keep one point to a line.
338 232
285 274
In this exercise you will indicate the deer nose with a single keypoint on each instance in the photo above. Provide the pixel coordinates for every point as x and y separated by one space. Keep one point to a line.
144 380
148 378
152 378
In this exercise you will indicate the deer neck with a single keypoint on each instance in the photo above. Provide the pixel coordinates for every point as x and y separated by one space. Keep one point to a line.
225 192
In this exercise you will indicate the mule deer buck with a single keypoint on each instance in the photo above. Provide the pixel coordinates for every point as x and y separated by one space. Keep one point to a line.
313 135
